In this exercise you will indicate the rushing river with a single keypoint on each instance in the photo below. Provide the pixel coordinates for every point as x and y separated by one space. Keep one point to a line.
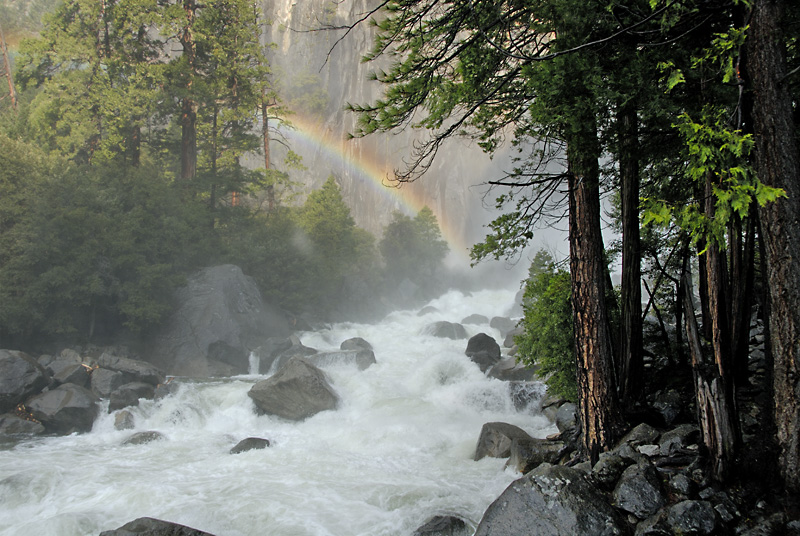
397 452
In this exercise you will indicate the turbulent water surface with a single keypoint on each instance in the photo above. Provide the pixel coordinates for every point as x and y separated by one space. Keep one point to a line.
397 451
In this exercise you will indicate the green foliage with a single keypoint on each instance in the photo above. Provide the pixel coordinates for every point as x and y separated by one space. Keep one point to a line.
547 339
413 249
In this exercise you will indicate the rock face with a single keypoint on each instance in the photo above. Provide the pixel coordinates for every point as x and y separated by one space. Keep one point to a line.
483 350
551 501
495 439
445 330
154 527
66 409
220 317
20 377
297 391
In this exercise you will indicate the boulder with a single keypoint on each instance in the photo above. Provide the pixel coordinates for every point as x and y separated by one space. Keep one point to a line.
444 526
639 491
278 350
251 443
140 438
677 439
79 374
66 409
567 418
219 319
105 381
692 517
363 359
148 526
503 324
12 425
509 370
495 440
483 350
475 319
297 391
124 420
21 376
551 500
642 434
129 395
445 330
609 468
133 370
355 343
508 341
528 454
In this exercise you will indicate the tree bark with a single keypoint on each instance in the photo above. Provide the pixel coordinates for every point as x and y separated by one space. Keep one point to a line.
631 362
778 166
595 373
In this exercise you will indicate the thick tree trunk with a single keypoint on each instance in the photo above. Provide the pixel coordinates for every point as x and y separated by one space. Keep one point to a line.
595 374
631 364
779 166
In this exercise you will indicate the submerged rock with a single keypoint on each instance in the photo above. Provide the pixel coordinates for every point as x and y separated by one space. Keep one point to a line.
140 438
445 330
362 358
297 391
444 526
551 500
250 443
475 319
148 526
355 343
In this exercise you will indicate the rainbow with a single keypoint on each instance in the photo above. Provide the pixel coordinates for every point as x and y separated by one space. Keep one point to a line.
372 171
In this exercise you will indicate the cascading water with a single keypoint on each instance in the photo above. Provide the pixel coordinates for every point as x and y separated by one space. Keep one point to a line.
396 452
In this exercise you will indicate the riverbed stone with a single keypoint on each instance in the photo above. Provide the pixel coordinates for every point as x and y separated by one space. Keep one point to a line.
509 370
483 350
495 440
296 392
551 500
639 491
475 319
250 443
355 343
276 351
445 330
21 376
148 526
444 526
140 438
66 409
124 420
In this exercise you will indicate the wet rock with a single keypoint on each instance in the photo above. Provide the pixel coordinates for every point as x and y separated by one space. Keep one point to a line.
355 343
163 390
427 310
567 418
692 517
66 409
503 324
297 391
123 420
495 439
251 443
132 370
21 376
483 350
79 374
550 405
13 425
528 454
276 351
475 319
551 500
140 438
509 341
445 330
148 526
509 370
129 395
639 491
105 381
444 526
609 468
362 358
525 394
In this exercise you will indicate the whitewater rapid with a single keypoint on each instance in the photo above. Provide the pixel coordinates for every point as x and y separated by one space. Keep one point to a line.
396 452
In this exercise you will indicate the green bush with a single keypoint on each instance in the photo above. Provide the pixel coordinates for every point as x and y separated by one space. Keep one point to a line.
547 340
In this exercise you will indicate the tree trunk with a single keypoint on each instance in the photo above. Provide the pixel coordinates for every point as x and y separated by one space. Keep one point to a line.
779 166
631 363
595 374
188 105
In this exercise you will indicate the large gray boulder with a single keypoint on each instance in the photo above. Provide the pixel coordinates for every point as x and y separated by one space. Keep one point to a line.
509 370
133 370
528 454
495 440
148 526
21 376
551 500
276 351
639 490
483 350
219 319
444 526
297 391
445 330
129 395
13 425
66 409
